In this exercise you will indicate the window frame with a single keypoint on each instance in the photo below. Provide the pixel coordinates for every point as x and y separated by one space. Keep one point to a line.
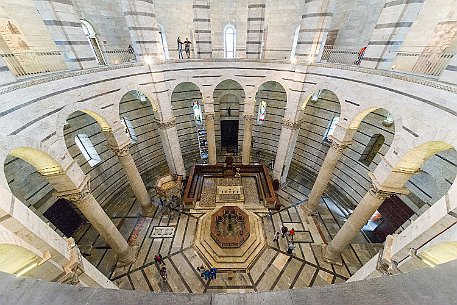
226 52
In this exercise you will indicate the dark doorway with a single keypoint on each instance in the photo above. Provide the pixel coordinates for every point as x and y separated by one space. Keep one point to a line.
229 135
394 213
62 215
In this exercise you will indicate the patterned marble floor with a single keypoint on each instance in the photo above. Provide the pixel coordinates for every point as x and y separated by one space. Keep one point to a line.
273 269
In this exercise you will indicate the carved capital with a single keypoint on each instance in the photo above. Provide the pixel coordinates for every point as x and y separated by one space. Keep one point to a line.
290 124
379 193
121 151
209 116
78 196
338 146
168 124
248 117
75 268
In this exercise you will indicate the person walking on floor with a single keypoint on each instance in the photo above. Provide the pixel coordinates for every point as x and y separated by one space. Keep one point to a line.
187 47
158 259
292 233
284 231
179 48
212 273
207 275
276 238
163 274
291 247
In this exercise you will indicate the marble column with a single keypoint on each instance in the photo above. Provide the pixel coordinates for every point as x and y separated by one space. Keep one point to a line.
67 32
394 23
314 28
362 213
286 146
210 137
171 147
334 154
88 205
247 139
134 178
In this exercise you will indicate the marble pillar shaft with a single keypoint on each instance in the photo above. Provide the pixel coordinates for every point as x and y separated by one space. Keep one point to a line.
94 213
247 139
210 138
323 178
136 183
363 212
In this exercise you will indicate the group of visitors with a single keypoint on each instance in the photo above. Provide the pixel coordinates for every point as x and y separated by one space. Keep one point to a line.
286 233
208 274
187 44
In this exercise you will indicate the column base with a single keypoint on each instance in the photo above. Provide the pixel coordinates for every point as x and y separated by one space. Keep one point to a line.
309 211
128 257
148 211
330 256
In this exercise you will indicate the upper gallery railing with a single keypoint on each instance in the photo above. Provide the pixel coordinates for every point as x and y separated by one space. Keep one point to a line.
118 55
426 63
32 63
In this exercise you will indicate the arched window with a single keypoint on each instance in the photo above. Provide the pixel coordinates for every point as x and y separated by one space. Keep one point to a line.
330 129
229 41
294 44
197 112
261 113
373 147
129 130
87 149
90 34
163 39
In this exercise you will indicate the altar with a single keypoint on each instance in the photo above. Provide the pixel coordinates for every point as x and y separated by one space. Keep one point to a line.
233 193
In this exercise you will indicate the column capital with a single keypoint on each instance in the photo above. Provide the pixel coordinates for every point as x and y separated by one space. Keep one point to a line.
120 151
79 195
167 124
248 117
338 146
209 116
379 193
290 124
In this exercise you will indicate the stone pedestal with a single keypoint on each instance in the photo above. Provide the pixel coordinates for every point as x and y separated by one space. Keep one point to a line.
247 139
323 178
134 178
94 213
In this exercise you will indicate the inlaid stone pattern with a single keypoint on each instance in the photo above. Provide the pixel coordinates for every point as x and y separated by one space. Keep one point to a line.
162 232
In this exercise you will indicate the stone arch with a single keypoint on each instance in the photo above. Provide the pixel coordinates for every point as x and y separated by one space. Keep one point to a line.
229 99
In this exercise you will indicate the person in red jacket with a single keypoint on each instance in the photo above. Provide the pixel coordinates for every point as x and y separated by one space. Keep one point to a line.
360 55
292 233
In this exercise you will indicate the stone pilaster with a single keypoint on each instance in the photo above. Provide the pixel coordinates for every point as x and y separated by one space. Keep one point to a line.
314 28
66 30
363 212
210 137
255 28
395 21
170 144
202 28
247 139
334 154
134 178
86 203
142 24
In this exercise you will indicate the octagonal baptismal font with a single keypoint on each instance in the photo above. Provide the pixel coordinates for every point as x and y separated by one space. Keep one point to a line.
230 237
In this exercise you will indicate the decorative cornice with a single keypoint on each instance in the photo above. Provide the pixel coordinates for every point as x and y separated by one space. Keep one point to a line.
168 124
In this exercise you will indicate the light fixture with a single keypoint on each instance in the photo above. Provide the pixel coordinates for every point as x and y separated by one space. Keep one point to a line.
393 67
148 59
388 121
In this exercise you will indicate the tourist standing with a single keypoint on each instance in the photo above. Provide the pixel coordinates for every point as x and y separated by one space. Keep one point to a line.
284 231
207 274
159 259
163 273
292 233
275 239
360 55
212 273
291 247
187 47
179 48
